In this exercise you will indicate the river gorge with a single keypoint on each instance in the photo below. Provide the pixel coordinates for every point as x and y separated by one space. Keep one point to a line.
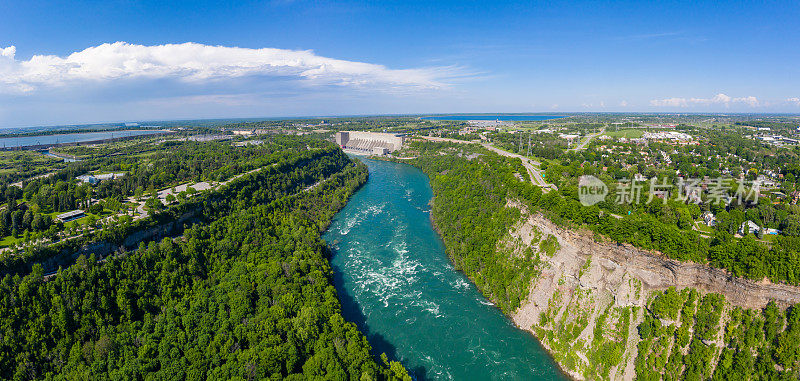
396 283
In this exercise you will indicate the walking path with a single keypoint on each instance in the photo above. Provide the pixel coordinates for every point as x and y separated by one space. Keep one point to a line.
199 187
142 212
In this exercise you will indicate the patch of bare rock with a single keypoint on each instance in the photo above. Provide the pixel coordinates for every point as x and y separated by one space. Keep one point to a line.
588 279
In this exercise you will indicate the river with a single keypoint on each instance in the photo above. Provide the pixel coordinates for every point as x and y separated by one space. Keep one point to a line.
24 141
397 284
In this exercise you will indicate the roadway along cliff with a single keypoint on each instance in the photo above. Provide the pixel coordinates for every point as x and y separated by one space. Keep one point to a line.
531 165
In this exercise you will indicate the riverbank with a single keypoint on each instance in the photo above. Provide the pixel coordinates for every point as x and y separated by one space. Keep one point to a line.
397 284
521 324
585 297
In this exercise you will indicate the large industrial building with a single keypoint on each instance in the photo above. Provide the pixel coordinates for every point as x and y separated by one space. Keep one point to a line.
373 143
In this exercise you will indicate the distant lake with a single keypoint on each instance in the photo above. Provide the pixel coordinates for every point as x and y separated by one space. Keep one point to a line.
501 117
25 141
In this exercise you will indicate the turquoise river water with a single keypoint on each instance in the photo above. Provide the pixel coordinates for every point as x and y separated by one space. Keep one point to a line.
397 284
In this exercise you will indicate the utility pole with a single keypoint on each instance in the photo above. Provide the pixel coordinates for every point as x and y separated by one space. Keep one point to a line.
529 145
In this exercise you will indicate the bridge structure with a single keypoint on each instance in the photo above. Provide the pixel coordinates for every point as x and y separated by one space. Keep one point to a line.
371 143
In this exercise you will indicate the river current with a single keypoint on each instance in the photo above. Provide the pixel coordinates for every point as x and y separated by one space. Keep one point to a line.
397 284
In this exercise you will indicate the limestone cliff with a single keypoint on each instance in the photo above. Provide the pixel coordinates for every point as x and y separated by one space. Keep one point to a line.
591 295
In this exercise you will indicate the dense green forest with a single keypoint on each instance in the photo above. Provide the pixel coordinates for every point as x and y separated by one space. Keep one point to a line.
469 213
247 295
144 167
479 188
682 331
687 336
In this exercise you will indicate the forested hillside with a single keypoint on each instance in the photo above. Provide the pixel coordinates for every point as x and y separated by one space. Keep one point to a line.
490 180
247 296
682 329
469 213
694 336
144 166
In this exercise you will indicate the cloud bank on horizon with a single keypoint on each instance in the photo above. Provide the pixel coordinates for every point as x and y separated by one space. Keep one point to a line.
192 62
123 81
719 99
749 102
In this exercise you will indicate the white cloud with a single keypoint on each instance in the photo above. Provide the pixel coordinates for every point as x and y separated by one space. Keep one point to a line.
590 105
750 101
8 52
719 99
669 102
192 62
794 100
623 103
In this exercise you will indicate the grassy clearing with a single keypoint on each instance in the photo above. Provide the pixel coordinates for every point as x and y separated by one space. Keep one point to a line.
701 226
628 133
23 164
8 241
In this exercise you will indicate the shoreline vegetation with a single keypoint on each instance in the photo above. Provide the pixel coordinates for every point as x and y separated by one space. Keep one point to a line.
247 269
246 294
470 211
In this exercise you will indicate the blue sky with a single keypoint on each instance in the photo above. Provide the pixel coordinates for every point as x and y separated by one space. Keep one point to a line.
80 61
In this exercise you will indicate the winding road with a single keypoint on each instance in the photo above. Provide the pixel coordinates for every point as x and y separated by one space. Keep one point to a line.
529 164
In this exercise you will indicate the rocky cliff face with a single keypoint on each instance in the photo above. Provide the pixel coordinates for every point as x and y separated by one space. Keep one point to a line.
591 295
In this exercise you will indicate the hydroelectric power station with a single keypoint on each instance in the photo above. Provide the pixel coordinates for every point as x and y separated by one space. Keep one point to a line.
372 143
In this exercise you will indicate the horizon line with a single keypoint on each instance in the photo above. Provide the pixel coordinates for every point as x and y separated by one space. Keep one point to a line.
311 117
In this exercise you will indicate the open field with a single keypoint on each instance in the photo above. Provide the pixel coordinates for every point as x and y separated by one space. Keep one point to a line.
627 133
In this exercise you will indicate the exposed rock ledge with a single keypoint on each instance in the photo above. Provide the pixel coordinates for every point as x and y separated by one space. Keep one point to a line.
622 276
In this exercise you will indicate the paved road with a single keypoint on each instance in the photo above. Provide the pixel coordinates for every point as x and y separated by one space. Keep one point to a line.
529 164
588 139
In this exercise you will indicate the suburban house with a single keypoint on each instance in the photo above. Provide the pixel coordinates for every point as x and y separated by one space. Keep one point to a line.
709 219
748 227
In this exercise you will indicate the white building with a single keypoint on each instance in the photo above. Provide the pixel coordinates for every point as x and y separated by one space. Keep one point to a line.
709 219
748 227
668 135
70 216
368 142
94 179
